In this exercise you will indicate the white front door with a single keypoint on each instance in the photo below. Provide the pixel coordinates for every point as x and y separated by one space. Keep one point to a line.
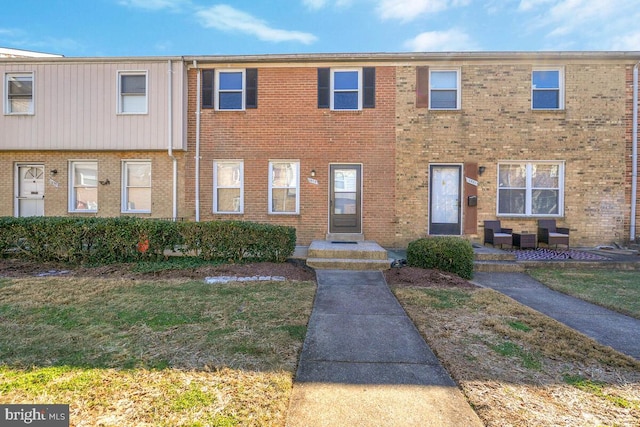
444 212
30 190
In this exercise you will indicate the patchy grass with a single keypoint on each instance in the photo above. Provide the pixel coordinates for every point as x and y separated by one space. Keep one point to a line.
617 290
161 353
518 367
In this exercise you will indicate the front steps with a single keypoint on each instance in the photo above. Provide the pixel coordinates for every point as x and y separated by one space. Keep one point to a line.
347 253
488 259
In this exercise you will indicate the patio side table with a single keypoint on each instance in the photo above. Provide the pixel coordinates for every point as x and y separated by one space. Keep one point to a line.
524 240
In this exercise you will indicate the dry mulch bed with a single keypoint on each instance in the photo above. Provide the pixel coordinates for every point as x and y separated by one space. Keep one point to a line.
418 277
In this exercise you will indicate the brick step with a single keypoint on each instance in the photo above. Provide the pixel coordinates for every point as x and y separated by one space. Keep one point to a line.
499 266
494 256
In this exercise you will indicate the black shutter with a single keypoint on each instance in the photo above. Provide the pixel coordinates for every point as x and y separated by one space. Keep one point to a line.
207 88
251 88
324 91
369 87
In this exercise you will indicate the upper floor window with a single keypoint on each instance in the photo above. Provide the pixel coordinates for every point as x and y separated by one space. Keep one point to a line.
284 187
83 186
228 187
547 89
136 186
233 90
346 89
18 93
444 89
531 189
132 90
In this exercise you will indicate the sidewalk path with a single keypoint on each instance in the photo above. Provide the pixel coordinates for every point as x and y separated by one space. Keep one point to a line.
364 363
605 326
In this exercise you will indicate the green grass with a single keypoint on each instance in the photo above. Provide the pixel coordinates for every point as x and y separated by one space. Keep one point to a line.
527 359
598 388
617 290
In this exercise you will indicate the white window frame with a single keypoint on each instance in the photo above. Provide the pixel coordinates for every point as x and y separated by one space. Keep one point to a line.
7 103
359 89
240 186
296 164
73 202
457 88
528 212
560 88
242 91
121 95
125 185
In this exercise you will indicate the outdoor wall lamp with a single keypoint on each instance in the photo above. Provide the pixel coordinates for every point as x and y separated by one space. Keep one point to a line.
313 173
481 170
53 172
105 182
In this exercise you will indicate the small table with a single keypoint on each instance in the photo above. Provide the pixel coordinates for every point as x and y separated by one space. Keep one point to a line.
524 240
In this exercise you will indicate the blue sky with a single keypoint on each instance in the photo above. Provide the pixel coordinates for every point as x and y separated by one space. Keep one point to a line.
209 27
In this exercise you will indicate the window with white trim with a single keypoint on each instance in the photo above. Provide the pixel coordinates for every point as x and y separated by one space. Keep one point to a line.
136 186
547 89
228 186
83 186
132 92
230 89
18 89
531 189
444 89
284 187
346 93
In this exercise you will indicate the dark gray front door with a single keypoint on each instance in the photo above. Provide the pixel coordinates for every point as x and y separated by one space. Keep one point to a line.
345 199
444 197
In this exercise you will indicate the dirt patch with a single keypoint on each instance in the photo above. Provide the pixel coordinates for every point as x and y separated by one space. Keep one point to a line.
420 277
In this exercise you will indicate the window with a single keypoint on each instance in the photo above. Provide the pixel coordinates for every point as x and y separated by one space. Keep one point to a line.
233 90
228 177
132 89
19 93
136 186
284 184
547 89
531 189
444 93
346 89
83 187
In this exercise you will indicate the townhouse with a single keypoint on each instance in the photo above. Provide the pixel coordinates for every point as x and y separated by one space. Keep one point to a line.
389 147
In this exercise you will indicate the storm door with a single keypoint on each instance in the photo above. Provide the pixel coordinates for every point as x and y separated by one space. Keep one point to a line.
30 190
345 199
444 199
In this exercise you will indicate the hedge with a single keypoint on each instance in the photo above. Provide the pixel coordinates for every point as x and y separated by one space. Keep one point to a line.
127 239
452 254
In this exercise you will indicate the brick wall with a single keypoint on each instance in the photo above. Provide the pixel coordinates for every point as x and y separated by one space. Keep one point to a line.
496 123
287 125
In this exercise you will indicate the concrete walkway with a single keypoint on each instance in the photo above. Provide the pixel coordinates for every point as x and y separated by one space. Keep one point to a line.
364 363
605 326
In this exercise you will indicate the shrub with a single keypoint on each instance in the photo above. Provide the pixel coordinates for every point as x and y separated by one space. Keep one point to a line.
452 254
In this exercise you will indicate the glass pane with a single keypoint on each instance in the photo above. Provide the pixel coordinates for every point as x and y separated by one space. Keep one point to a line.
134 84
228 174
345 203
444 80
345 100
284 175
139 199
512 176
546 79
86 198
86 175
230 101
139 174
228 200
511 202
445 196
546 99
134 104
345 180
231 81
544 202
345 80
20 86
20 105
545 176
444 99
283 200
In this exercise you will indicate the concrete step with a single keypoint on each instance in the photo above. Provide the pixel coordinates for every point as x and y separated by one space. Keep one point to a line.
494 256
499 266
346 250
345 237
347 264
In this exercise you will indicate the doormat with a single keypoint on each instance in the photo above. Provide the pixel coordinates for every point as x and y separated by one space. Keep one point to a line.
542 254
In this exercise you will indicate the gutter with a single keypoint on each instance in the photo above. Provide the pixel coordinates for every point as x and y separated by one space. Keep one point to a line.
634 155
174 183
197 158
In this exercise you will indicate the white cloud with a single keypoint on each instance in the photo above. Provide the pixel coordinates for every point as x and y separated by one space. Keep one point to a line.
155 4
630 41
226 18
441 41
314 4
526 5
408 10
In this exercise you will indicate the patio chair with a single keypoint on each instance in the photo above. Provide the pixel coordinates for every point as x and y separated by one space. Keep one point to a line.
495 234
551 235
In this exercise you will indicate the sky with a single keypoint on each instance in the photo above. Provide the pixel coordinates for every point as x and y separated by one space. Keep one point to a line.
97 28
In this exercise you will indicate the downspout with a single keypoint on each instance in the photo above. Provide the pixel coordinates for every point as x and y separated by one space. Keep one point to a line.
174 184
197 189
634 154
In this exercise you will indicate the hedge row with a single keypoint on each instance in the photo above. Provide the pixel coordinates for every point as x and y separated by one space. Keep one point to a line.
452 254
127 239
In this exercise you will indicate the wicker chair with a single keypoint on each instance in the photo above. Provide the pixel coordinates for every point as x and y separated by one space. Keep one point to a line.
496 235
551 235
